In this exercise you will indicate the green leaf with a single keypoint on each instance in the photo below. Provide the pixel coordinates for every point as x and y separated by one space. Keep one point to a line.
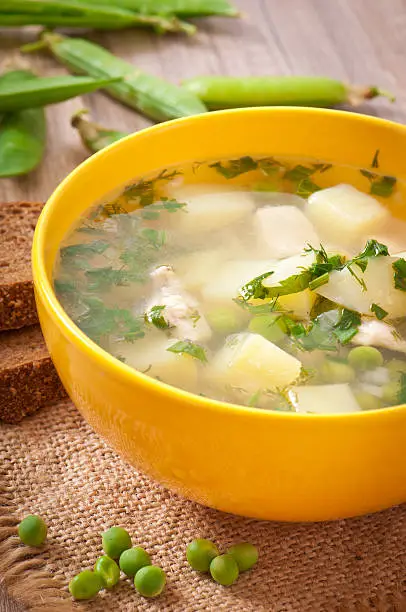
383 186
375 160
373 248
155 317
100 321
306 187
319 281
155 237
368 174
144 190
169 205
235 167
292 284
298 173
189 348
102 278
66 286
85 250
379 312
399 267
347 327
322 167
255 289
269 166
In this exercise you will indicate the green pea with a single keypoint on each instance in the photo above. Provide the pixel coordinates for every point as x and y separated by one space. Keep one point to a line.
224 320
224 569
245 554
134 559
108 571
150 581
115 541
337 372
396 368
32 530
268 327
390 393
85 585
365 358
200 553
367 401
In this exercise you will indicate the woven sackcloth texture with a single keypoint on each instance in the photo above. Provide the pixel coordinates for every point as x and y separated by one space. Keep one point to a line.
55 465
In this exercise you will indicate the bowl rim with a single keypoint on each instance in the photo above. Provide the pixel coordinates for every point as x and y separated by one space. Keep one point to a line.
45 289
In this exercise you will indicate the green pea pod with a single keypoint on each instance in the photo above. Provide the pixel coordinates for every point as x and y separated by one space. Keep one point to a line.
82 14
151 95
94 136
41 91
22 135
181 8
235 92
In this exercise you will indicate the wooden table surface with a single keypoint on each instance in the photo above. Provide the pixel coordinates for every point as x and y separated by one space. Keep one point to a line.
359 41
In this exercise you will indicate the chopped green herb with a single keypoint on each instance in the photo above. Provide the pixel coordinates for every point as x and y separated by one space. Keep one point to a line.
155 317
322 167
321 305
383 186
292 284
379 312
347 326
306 187
269 166
375 161
144 190
235 167
156 238
298 173
373 248
255 289
399 267
319 281
102 278
110 209
99 321
257 309
85 250
189 348
62 286
169 205
254 399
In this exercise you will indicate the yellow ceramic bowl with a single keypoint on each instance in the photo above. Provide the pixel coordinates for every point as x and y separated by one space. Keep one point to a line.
261 464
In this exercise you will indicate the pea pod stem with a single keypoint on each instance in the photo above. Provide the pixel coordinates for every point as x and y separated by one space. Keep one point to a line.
41 91
78 13
154 97
22 135
234 92
94 136
180 8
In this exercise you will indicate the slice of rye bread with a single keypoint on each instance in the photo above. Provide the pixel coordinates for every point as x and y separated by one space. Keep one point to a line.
17 224
28 379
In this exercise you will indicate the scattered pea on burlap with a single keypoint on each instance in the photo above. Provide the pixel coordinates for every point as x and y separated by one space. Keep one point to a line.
54 465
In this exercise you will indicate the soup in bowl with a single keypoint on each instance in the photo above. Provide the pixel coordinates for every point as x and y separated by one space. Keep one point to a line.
224 297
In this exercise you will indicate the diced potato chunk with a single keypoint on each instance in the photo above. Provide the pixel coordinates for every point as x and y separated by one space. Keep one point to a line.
342 215
152 357
251 362
210 212
344 289
196 269
326 399
284 230
225 285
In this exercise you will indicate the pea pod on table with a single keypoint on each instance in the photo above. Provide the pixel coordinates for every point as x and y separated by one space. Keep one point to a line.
94 136
41 91
181 8
78 13
219 92
22 134
149 94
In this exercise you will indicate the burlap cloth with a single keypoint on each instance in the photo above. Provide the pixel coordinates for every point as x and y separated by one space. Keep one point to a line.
53 464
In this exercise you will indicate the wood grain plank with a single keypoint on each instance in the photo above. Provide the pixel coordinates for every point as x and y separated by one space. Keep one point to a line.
356 40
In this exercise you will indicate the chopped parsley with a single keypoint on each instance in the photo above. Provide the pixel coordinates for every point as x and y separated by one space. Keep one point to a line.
254 289
402 391
379 312
144 191
399 268
84 250
153 211
325 331
375 160
186 347
99 321
382 186
306 187
235 167
298 173
155 316
347 326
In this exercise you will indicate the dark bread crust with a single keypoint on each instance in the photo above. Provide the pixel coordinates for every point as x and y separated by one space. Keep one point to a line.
17 224
28 379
